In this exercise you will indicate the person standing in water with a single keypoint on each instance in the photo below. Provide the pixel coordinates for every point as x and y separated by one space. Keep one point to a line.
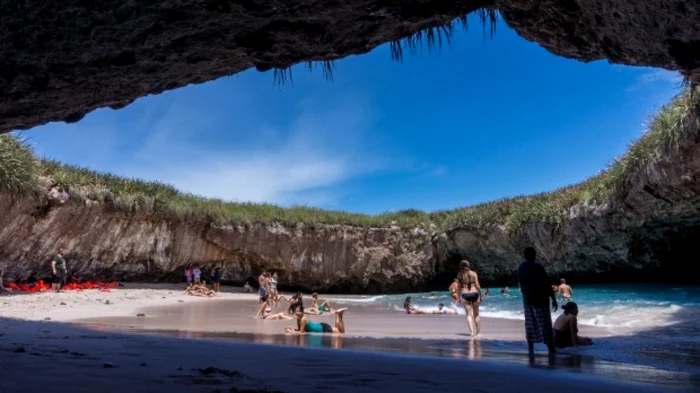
565 290
58 270
305 326
454 287
537 290
470 292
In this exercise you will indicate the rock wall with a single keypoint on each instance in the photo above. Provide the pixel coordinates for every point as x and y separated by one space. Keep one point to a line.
61 59
102 243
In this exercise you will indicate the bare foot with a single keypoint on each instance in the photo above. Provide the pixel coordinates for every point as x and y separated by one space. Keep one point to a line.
340 311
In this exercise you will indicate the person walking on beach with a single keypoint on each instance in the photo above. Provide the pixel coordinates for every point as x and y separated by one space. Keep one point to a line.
470 292
58 270
537 290
565 290
216 280
274 295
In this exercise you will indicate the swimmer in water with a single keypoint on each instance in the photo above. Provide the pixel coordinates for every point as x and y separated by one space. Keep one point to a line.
566 328
305 326
565 290
432 296
486 292
445 310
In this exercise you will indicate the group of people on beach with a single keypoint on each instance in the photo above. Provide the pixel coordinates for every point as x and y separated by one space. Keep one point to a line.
198 287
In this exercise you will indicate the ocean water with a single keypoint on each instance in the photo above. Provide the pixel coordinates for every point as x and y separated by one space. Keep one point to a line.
635 306
652 325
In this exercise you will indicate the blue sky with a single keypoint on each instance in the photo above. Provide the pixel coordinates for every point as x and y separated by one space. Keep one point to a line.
482 120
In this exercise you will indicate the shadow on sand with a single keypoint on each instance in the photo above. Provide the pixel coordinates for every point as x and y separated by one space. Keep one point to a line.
667 356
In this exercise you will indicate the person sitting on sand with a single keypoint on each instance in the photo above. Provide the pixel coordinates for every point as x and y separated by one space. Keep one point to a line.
199 290
265 312
305 326
408 307
315 308
453 288
445 310
565 290
566 328
294 302
247 288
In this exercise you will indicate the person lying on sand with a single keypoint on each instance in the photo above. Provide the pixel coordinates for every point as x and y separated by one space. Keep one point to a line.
199 290
265 312
315 309
305 326
566 328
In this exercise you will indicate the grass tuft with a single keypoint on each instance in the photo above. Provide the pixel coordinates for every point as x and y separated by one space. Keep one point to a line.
18 168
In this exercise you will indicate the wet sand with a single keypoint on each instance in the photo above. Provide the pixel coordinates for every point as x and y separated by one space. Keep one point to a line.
221 329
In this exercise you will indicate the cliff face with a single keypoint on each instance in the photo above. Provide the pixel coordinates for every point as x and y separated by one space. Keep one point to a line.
110 245
62 59
646 231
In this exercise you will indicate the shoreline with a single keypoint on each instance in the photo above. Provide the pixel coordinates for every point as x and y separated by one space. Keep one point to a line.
165 306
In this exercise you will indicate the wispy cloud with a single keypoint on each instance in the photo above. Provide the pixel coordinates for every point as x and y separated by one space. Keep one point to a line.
654 76
303 163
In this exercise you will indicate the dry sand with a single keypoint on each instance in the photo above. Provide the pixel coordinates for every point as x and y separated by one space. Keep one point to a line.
38 355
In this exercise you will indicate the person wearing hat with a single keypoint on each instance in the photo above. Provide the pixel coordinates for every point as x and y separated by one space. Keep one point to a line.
470 293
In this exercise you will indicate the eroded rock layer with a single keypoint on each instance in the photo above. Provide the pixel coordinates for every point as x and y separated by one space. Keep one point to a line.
62 59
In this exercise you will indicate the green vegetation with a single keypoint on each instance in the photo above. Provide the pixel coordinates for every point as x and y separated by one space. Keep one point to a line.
20 172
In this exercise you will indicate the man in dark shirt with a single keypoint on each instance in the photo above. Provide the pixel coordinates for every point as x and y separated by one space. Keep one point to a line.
537 290
58 270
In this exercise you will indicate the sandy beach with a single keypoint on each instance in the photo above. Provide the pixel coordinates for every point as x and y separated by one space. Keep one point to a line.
35 336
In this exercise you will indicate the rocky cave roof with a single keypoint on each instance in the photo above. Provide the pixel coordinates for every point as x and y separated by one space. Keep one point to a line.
61 59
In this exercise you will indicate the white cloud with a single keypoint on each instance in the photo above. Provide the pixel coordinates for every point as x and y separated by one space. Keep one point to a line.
658 76
300 165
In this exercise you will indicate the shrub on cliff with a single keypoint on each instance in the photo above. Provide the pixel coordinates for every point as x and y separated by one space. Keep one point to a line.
18 168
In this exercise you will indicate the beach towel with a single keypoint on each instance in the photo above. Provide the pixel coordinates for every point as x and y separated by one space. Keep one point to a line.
538 324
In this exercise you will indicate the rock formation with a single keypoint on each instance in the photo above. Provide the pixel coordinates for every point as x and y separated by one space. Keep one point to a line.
62 59
645 229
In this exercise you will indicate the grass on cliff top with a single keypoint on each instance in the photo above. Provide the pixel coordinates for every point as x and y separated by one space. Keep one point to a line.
19 173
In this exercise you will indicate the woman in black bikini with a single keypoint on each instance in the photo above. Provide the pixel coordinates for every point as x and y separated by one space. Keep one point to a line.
470 291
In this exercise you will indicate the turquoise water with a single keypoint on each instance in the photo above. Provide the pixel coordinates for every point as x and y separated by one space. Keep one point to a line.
651 325
635 306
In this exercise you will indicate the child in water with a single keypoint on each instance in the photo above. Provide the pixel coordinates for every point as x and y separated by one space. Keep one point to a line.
566 328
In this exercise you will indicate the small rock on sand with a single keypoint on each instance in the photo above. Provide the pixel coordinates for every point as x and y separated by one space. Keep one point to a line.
47 319
108 302
140 315
63 304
